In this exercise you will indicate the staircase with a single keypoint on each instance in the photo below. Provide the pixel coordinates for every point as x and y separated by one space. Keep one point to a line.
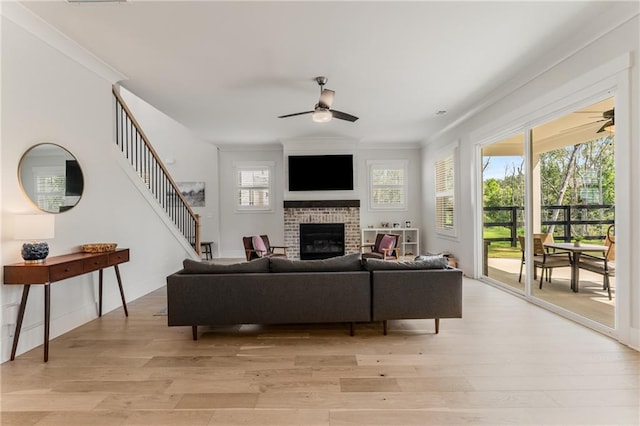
135 146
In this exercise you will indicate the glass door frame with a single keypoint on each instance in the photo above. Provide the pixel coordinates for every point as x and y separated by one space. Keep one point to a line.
610 80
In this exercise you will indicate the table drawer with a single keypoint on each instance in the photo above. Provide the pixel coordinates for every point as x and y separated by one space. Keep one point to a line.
117 257
66 270
95 263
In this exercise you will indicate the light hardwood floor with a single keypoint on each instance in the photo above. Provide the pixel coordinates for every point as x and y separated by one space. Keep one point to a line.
505 362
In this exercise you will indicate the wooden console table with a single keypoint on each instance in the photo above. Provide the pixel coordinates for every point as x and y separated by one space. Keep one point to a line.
58 268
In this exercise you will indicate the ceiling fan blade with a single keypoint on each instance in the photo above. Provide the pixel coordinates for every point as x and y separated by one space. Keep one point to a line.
343 115
326 98
604 126
580 126
293 115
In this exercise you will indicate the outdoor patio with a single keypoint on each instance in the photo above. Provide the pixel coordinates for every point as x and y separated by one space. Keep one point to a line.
591 301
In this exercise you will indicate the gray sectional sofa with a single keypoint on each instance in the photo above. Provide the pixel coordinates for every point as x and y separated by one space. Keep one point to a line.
341 289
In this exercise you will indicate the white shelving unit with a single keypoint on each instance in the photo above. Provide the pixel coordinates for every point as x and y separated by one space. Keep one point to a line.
409 240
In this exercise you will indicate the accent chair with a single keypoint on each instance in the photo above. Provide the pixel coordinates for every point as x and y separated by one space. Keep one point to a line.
257 246
385 247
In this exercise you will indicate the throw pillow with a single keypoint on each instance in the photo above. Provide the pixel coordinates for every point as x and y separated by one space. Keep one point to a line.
350 262
255 266
258 245
387 242
429 262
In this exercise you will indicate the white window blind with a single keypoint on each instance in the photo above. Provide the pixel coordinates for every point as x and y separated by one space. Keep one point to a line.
50 183
253 188
388 185
445 194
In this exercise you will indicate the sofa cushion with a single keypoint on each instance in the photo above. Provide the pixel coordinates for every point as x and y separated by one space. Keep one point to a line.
426 262
258 245
255 266
350 262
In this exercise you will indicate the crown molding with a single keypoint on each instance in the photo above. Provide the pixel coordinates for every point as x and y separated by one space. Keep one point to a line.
30 22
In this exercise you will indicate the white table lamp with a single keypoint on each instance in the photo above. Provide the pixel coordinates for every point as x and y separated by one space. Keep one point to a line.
34 227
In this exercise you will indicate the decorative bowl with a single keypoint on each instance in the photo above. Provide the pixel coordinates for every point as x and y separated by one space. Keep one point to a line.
98 247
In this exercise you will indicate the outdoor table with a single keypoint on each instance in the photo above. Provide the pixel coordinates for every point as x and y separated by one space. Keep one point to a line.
576 251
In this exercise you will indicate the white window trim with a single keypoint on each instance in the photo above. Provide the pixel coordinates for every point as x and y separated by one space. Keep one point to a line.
449 150
388 164
254 165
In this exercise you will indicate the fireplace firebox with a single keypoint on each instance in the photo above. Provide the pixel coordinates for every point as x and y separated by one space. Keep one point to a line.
321 240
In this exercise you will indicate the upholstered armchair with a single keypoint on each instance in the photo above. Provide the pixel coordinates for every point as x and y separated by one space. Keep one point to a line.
385 247
258 246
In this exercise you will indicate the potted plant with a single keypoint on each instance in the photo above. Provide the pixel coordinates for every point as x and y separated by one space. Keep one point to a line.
577 240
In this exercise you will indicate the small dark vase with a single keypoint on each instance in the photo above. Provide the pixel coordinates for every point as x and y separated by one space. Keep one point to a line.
35 252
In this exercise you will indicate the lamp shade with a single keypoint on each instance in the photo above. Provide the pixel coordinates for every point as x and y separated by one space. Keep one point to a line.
34 227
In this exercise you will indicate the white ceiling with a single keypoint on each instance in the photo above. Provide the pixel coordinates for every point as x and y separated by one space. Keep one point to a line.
228 69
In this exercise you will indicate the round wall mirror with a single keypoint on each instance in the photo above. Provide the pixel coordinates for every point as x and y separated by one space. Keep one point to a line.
51 177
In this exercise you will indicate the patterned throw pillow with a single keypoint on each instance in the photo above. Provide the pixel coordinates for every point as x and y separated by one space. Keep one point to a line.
258 245
387 242
426 262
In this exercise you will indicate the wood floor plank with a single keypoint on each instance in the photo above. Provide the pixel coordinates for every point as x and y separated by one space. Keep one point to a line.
271 417
199 401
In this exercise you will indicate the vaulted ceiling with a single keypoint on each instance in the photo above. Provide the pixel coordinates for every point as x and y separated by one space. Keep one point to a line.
227 70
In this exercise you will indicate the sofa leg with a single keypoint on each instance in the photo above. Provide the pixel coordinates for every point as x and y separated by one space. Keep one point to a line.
437 325
384 327
194 331
352 329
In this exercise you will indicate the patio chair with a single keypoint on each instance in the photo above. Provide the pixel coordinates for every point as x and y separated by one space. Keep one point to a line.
546 238
385 247
544 259
258 246
603 265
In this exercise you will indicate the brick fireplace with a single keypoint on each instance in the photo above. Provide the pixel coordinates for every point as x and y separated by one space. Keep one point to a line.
321 211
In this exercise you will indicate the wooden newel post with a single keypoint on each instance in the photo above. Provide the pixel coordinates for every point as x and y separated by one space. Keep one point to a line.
197 242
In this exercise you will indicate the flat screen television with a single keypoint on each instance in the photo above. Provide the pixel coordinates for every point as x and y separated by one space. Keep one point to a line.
320 172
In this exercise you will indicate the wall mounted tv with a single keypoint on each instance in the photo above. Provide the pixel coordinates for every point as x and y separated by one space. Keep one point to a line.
320 172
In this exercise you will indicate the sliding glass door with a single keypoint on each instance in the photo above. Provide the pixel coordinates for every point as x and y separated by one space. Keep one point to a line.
503 197
548 198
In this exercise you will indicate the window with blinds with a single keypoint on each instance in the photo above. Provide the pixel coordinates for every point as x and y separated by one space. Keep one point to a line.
253 188
445 194
388 185
50 183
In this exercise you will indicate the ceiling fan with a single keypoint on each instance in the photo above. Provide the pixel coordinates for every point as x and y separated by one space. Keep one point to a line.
322 111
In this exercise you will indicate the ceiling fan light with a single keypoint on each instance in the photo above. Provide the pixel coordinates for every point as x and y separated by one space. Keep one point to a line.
321 115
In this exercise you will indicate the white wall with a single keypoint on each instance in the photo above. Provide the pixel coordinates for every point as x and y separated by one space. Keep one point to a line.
235 225
48 97
187 157
558 78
